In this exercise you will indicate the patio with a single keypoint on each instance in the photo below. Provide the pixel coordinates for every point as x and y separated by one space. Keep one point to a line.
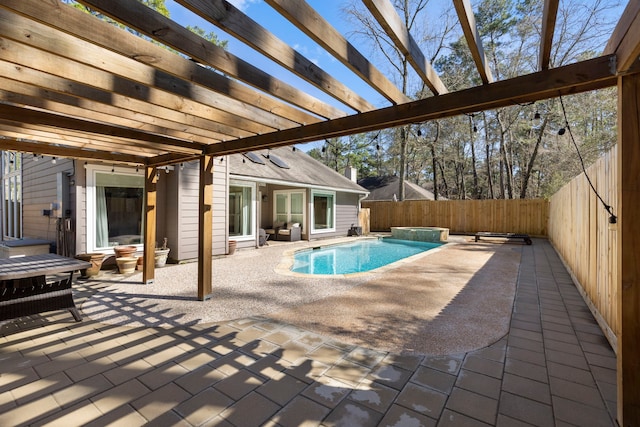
553 367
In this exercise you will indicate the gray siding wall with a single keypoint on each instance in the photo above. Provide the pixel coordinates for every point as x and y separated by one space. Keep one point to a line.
220 202
39 191
181 225
346 215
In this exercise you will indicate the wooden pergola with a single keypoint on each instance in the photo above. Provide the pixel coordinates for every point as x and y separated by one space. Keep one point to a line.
75 86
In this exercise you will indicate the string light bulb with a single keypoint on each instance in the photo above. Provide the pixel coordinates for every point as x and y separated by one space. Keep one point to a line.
54 161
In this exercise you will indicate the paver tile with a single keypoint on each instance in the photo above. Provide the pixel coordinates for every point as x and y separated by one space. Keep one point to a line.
120 395
479 383
527 370
160 401
580 414
434 379
423 400
391 376
203 406
239 384
402 416
483 366
376 396
586 394
199 379
473 405
301 412
327 391
454 419
283 389
252 410
524 409
349 413
527 388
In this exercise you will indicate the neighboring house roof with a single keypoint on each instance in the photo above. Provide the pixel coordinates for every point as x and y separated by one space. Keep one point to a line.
384 188
303 170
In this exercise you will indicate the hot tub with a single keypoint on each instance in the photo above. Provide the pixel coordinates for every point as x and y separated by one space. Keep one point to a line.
420 234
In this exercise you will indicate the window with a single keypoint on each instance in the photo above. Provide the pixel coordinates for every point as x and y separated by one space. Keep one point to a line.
289 207
324 211
12 194
115 203
241 211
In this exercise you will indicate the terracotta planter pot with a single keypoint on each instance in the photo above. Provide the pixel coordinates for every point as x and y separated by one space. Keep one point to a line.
95 258
126 265
124 251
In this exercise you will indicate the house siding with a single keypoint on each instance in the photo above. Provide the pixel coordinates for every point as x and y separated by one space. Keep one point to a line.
346 215
181 226
40 188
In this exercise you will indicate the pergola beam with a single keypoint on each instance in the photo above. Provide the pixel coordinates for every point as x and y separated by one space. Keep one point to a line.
307 20
12 113
228 18
570 79
470 30
625 39
164 30
549 15
26 146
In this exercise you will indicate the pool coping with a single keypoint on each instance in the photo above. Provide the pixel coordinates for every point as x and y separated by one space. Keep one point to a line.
287 260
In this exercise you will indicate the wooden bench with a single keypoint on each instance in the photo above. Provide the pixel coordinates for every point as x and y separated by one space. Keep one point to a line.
25 290
525 237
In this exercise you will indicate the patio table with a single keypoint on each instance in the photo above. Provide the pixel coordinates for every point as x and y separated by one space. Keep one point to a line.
24 289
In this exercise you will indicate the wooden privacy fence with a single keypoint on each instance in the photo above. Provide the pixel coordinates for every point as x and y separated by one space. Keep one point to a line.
579 230
528 216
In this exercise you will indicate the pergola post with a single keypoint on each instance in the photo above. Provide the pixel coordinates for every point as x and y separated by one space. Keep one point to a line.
148 269
628 300
205 229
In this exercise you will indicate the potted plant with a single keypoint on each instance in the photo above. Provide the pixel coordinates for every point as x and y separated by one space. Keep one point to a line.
162 253
95 258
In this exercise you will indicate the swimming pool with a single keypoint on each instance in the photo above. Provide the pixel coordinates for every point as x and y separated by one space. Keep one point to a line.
356 257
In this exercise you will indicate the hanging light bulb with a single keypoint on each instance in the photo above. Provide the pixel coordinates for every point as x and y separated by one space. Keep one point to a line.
35 157
181 166
419 132
294 148
113 168
378 147
536 115
561 131
475 128
53 161
137 168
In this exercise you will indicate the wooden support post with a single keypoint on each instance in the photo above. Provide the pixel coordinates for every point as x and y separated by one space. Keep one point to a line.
148 269
628 213
205 228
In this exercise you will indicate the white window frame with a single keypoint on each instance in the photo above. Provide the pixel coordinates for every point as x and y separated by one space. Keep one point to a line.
90 203
288 193
252 186
327 193
12 180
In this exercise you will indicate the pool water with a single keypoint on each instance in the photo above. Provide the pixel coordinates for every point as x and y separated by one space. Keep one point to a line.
356 257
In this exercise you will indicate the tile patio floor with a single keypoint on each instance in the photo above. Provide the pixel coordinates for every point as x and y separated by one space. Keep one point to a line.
554 368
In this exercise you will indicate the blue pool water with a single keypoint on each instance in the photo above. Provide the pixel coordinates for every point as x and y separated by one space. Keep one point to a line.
361 255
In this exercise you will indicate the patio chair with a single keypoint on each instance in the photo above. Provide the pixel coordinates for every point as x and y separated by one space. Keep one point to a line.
291 234
263 237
